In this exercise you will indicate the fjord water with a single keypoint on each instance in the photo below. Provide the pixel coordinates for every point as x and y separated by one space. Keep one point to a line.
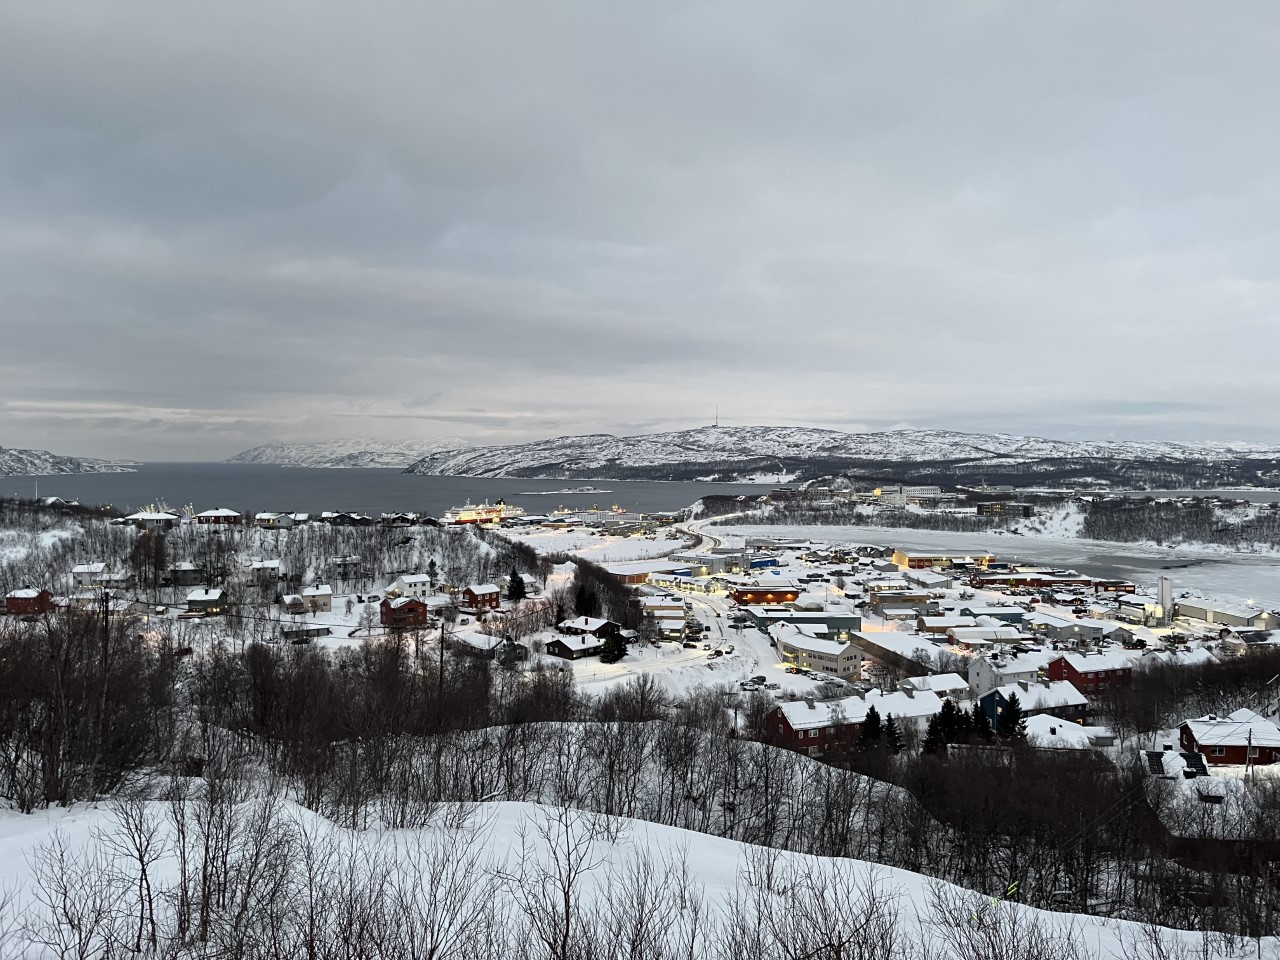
252 487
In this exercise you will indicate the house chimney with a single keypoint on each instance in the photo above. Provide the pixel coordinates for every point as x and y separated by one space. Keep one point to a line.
1168 747
808 702
911 694
1053 731
1024 685
1044 682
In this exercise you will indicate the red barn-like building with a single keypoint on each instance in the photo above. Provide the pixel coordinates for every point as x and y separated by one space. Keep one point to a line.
29 601
1238 739
482 596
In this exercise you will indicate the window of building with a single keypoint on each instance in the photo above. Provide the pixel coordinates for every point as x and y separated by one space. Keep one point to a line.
1219 752
813 734
1253 751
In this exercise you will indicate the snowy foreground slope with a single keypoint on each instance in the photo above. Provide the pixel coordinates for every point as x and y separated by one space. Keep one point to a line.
498 880
754 447
42 463
346 453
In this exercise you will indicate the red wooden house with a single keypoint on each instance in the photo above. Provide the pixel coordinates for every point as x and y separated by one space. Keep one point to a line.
482 596
29 602
1243 737
403 613
1093 673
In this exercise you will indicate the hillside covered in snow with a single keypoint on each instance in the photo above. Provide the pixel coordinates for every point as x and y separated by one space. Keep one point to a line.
369 452
42 463
935 456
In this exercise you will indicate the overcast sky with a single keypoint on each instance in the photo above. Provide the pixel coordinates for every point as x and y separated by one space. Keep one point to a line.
224 224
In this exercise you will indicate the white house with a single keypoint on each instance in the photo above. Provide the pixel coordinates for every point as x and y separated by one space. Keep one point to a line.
87 574
318 598
410 585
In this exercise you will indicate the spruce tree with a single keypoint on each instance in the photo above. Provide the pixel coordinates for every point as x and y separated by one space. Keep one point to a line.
614 649
979 722
515 585
871 731
892 736
933 738
1012 722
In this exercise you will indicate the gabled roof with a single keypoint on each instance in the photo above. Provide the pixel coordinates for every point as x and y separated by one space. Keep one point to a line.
205 593
579 642
319 590
218 512
826 713
1093 662
1041 696
1242 728
481 589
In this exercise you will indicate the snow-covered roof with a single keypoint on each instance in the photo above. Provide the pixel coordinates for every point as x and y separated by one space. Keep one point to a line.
805 638
589 624
154 517
319 590
1044 696
24 594
997 634
937 683
407 578
184 565
483 589
205 593
88 568
1047 731
1094 662
581 642
290 598
1242 728
218 512
265 565
1197 657
826 713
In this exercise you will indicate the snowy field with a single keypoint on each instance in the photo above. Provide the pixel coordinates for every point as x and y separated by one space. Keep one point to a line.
598 547
513 856
1234 577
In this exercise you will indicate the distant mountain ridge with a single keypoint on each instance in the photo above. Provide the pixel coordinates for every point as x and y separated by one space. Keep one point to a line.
373 452
733 453
42 463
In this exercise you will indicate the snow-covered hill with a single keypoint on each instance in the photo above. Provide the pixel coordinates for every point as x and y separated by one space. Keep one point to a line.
490 879
740 451
42 463
346 453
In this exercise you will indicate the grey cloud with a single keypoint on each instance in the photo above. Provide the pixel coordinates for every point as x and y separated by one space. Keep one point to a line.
240 223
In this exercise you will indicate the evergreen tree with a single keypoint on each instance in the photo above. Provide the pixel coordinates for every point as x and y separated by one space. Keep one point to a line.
979 723
433 574
934 742
586 603
515 585
614 649
953 723
871 730
892 735
1012 722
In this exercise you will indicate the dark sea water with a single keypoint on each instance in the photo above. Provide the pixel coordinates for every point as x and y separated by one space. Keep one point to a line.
253 487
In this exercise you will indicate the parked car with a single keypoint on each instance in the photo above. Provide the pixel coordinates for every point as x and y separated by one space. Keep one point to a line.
773 686
713 654
689 645
759 679
706 646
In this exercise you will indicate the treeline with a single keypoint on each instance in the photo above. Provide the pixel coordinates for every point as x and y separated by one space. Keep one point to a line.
1238 526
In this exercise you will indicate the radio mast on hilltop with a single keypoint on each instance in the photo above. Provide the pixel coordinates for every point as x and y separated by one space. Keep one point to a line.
717 423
